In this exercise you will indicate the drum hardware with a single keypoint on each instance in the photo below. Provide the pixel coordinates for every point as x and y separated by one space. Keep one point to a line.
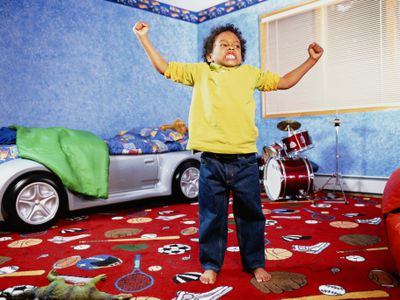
337 175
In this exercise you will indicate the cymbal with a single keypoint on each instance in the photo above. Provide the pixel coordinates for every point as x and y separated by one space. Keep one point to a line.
287 125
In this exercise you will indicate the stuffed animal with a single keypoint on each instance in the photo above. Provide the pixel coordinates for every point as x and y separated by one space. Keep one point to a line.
178 125
57 289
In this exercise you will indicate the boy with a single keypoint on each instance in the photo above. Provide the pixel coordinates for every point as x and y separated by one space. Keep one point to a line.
222 126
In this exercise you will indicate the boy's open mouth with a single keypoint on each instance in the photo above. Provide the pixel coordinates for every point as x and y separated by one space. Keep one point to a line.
230 56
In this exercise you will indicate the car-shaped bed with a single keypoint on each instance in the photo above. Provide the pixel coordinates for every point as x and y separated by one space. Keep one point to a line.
32 197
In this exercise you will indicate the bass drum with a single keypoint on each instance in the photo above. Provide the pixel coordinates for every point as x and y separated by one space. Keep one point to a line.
287 177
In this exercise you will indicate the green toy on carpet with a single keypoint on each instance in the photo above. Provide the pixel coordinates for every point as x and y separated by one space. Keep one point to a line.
57 289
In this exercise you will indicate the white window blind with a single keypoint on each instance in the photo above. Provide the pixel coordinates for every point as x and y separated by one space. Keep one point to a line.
360 68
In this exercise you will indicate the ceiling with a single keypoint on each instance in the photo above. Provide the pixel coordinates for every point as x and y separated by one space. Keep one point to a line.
193 5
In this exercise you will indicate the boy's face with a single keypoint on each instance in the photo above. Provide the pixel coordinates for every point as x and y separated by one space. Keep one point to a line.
226 51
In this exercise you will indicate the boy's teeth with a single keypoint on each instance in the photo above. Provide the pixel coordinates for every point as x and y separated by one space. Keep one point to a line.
230 56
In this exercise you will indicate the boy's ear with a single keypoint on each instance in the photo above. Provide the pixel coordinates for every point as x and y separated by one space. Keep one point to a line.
209 58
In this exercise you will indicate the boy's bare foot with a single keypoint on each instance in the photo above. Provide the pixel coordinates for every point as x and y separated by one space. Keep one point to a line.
208 277
261 275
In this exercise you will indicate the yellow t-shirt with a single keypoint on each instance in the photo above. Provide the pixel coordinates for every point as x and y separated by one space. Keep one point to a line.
221 117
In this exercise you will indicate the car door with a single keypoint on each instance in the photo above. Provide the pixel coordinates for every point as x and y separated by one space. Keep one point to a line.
132 172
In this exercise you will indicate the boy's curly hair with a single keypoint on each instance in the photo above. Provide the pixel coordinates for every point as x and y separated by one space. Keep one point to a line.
208 44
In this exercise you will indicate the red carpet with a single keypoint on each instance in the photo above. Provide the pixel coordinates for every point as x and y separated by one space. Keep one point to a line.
325 250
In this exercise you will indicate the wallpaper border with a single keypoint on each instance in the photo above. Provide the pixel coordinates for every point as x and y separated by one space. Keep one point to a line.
187 15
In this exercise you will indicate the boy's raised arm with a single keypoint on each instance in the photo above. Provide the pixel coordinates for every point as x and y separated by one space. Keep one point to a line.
290 79
141 29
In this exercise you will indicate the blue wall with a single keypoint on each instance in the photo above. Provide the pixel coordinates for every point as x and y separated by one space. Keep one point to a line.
77 64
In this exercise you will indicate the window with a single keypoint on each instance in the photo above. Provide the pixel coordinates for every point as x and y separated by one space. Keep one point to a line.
360 68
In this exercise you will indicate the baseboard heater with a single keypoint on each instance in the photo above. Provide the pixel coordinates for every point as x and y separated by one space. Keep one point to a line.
358 184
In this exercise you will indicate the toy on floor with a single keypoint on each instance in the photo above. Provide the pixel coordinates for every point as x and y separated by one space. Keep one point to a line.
178 125
57 289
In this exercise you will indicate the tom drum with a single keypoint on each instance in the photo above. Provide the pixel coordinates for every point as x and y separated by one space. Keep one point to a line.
297 142
274 150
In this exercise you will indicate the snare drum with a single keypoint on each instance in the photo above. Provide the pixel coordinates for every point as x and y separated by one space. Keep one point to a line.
297 142
274 150
288 177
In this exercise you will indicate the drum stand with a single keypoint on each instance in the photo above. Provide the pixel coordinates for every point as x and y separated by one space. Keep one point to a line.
337 175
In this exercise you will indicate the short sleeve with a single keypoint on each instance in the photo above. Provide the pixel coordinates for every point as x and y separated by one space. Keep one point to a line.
267 81
184 73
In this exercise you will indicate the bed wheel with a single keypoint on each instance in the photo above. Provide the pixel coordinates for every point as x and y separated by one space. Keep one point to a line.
34 201
186 181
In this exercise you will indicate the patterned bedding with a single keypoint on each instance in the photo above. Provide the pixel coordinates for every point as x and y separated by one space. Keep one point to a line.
134 142
147 140
8 152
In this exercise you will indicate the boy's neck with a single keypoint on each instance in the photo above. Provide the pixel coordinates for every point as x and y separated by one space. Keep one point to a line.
217 66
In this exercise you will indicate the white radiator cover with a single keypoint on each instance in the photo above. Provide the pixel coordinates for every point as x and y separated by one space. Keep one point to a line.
359 184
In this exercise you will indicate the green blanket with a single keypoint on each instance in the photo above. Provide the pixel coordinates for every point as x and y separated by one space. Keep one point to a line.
79 158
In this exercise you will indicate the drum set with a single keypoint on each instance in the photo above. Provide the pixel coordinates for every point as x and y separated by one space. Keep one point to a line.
286 175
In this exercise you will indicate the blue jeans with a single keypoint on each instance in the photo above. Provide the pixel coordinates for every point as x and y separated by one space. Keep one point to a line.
219 177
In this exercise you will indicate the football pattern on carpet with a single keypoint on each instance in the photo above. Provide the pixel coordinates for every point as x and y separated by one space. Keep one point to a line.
174 249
